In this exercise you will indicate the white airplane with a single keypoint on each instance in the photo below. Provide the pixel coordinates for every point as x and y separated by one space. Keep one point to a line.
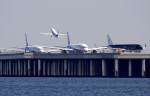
54 33
33 48
76 48
37 48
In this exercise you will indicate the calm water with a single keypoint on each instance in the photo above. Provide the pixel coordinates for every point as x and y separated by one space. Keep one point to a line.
38 86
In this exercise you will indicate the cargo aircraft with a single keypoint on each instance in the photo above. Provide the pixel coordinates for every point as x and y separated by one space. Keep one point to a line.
76 48
54 33
124 47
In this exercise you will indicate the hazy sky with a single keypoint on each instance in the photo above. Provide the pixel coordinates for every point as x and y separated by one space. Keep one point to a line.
89 21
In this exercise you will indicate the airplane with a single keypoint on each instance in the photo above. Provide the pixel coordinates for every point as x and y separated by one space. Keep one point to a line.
76 48
33 48
124 47
30 49
37 48
54 33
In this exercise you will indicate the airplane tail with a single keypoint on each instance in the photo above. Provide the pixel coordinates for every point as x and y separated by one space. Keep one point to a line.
145 47
26 40
109 40
58 31
68 39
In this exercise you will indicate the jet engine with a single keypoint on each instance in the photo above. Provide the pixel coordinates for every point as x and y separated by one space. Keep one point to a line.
64 51
94 51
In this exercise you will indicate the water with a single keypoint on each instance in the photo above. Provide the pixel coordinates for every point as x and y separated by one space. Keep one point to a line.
48 86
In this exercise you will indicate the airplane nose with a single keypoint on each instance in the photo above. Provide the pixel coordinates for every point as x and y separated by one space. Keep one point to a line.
42 51
85 49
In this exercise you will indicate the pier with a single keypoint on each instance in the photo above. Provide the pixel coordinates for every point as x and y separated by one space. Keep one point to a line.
75 65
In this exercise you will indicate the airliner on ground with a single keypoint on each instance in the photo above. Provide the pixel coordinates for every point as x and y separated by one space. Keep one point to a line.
30 49
125 47
36 48
33 48
76 48
54 33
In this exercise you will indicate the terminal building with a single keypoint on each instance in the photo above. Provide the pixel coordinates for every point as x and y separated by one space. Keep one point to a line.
75 65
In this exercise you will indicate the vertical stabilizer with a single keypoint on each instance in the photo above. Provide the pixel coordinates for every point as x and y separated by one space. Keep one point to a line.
109 40
26 40
68 39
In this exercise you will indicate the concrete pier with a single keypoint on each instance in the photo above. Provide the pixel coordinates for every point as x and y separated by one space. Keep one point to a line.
75 65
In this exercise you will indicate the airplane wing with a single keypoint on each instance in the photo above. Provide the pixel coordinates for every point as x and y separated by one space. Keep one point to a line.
62 34
97 48
49 51
40 46
16 48
46 33
58 48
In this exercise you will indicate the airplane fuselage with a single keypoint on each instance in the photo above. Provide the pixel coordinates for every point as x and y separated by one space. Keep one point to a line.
34 49
54 33
78 47
128 47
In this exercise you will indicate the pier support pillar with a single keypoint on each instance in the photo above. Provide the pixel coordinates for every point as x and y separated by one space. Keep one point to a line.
16 65
44 68
72 68
1 68
29 70
62 67
143 68
39 67
34 68
48 68
68 64
130 68
19 68
6 68
91 67
53 71
9 67
75 68
58 68
103 68
116 68
12 68
80 68
65 67
24 68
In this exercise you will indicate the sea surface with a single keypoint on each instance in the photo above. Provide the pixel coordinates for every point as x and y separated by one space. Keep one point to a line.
50 86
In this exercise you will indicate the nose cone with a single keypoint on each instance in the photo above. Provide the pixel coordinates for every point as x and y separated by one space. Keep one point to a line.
85 49
42 51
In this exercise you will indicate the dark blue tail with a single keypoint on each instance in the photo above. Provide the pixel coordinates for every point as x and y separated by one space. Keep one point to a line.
26 40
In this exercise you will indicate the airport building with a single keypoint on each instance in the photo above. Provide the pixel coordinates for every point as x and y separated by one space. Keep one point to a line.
75 65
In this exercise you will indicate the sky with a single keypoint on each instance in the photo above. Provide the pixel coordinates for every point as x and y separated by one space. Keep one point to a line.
89 21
